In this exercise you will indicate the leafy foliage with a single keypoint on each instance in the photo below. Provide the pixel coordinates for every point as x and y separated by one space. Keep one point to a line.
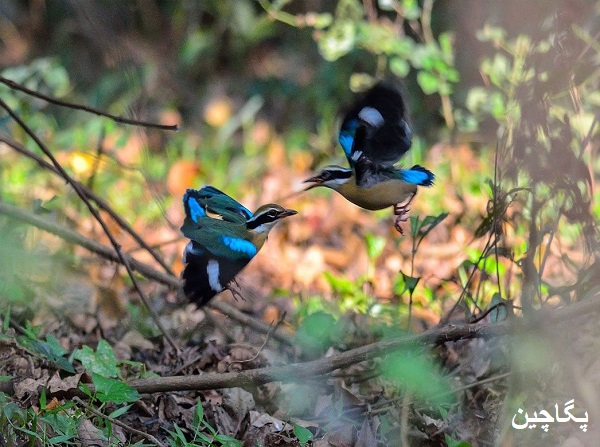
256 87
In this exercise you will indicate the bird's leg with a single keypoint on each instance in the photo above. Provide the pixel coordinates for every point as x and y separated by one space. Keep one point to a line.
401 210
235 291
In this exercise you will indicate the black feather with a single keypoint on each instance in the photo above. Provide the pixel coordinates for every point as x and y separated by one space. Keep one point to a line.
196 282
381 143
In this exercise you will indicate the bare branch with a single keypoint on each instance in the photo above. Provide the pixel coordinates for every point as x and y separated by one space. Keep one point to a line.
299 371
77 187
102 204
71 105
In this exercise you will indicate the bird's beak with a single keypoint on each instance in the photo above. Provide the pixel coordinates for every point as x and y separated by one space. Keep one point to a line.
286 213
316 181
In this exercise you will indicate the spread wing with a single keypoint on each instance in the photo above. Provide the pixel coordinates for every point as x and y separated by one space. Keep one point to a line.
376 127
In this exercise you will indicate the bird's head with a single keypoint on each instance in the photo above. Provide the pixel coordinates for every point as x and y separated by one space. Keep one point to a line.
266 217
331 177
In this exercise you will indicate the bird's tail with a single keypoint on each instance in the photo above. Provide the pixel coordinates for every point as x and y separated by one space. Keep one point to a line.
197 285
418 175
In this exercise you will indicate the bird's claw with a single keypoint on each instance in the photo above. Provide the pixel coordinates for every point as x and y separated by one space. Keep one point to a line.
402 212
235 291
397 225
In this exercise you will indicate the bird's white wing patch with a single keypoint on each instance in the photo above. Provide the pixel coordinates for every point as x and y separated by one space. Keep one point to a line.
372 116
212 270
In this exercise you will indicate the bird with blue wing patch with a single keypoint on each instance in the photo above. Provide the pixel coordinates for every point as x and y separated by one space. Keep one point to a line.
224 237
374 135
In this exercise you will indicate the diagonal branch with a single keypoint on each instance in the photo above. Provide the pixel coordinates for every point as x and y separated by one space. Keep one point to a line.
299 371
102 204
71 105
172 281
78 190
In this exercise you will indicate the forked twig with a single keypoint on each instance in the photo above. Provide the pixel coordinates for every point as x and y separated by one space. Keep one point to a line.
267 338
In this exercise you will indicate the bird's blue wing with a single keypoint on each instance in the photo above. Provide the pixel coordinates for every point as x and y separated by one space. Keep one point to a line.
220 238
369 174
209 202
417 175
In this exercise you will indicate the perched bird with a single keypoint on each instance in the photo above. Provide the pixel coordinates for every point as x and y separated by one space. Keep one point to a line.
374 135
224 237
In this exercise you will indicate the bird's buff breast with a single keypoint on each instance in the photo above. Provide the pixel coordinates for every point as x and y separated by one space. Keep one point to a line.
379 196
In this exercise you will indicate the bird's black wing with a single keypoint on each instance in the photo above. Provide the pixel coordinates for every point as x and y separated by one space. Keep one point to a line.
377 127
207 274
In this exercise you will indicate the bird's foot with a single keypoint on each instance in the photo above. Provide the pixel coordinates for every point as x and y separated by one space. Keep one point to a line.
397 225
235 291
402 210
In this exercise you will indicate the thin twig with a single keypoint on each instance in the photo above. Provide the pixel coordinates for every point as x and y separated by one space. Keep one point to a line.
102 204
124 426
487 312
148 271
77 187
267 338
71 105
446 318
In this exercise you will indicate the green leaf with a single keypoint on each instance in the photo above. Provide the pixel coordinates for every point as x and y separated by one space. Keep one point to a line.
412 368
54 345
302 433
198 414
443 412
120 411
112 390
180 434
410 283
430 222
102 362
228 441
428 82
43 399
340 284
47 350
400 67
58 440
375 245
451 442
